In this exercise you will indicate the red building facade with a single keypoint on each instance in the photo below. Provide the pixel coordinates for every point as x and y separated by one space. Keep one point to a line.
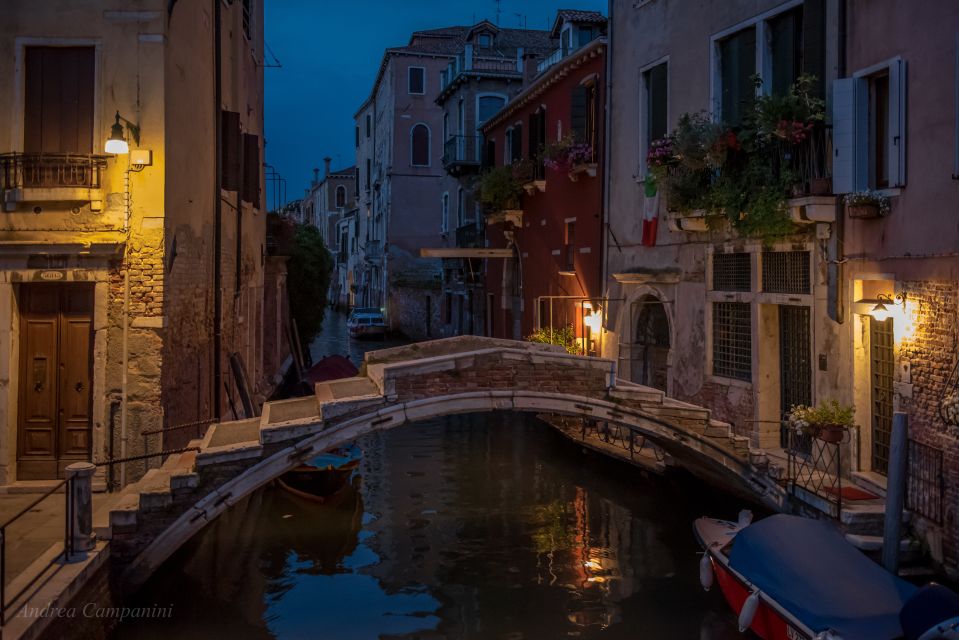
553 132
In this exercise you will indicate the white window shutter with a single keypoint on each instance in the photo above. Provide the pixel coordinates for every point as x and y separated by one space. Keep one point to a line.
897 123
843 135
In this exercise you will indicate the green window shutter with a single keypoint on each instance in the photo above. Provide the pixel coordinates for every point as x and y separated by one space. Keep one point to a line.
579 111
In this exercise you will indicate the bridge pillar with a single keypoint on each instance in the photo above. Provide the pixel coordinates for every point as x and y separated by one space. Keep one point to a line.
81 512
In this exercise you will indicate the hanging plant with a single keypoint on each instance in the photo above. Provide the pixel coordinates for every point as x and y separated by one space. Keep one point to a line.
567 153
500 189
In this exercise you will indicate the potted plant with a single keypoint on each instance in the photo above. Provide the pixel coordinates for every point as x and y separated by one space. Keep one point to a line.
500 189
570 155
828 421
866 204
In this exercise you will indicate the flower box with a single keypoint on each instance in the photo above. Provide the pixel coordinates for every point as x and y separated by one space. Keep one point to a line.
588 168
863 210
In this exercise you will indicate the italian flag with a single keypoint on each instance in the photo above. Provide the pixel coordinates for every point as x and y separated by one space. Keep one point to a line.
650 212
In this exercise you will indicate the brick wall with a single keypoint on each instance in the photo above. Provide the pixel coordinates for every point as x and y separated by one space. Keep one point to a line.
931 354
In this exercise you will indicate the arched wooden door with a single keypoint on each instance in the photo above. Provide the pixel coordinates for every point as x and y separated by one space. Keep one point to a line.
651 344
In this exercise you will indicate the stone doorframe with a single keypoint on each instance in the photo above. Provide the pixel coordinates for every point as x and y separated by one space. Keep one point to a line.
12 273
626 329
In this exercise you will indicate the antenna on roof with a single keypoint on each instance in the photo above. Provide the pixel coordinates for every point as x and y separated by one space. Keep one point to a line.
521 19
499 10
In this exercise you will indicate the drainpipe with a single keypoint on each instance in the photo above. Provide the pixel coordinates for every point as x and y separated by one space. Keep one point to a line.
836 270
217 211
124 346
607 156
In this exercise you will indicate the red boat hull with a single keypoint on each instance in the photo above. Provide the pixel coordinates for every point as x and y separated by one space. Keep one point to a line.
767 624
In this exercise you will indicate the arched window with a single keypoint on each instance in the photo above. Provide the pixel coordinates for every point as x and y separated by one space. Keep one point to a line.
420 146
487 106
340 197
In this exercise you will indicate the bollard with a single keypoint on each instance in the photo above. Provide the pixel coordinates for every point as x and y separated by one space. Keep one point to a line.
895 491
81 495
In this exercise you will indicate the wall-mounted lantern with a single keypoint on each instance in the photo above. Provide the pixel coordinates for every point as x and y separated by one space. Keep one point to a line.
881 311
117 143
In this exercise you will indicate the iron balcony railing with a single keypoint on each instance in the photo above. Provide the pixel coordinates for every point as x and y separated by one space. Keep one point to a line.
51 170
461 150
469 236
550 60
925 486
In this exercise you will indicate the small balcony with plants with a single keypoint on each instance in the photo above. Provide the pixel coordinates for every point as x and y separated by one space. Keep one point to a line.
52 177
500 191
571 156
461 154
767 177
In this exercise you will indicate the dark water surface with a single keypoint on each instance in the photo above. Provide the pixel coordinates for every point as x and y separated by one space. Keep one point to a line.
483 526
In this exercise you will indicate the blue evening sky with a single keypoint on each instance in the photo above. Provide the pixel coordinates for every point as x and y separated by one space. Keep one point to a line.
330 51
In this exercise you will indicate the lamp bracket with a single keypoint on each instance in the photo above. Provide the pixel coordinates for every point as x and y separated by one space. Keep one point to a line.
132 128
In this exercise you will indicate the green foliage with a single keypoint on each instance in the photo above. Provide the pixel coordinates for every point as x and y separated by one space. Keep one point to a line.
564 336
309 270
746 174
808 419
500 189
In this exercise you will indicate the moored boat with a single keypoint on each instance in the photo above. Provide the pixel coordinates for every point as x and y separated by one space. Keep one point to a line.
793 578
324 478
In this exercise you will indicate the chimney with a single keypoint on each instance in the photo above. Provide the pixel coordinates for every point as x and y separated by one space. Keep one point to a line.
316 176
326 163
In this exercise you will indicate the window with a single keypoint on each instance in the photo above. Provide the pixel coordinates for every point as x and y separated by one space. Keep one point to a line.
869 129
251 169
340 197
566 40
461 117
460 207
485 41
786 50
655 113
416 80
369 173
446 126
514 144
369 125
586 35
537 140
231 151
420 146
445 215
248 8
786 272
732 272
569 247
487 107
737 65
357 135
489 160
58 105
732 340
584 115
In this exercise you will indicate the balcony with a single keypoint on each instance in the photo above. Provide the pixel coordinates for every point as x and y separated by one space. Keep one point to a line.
471 61
461 154
373 250
550 60
469 236
51 177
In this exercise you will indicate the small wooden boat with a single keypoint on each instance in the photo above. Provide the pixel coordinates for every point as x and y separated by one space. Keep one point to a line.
792 578
324 478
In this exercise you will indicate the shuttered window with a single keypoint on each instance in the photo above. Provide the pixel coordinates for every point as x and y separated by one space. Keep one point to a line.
584 113
251 169
231 152
58 101
578 107
737 65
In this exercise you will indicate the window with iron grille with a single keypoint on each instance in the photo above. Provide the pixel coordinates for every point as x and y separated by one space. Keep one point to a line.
248 7
786 272
732 340
732 272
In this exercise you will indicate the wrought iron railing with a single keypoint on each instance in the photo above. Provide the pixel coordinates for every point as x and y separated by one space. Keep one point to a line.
551 59
925 484
489 63
816 471
51 170
461 149
67 551
469 236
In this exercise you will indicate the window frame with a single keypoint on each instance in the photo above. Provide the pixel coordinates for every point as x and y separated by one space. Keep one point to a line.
409 80
488 94
644 109
445 212
429 145
336 197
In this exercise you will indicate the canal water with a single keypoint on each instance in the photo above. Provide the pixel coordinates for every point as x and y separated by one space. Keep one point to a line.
481 526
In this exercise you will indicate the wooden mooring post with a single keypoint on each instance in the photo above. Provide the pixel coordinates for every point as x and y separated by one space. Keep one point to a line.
895 491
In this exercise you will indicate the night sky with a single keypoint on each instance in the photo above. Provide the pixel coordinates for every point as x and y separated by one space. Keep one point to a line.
330 51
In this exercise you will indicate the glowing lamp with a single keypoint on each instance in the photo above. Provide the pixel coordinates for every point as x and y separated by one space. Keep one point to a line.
117 143
880 312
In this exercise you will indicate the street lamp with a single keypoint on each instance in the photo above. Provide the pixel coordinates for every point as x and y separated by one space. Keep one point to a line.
116 143
880 311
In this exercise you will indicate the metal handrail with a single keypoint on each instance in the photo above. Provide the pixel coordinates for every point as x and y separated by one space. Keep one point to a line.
68 546
51 170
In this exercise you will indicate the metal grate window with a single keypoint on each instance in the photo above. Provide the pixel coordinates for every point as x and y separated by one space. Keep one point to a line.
732 340
732 272
795 370
881 371
786 272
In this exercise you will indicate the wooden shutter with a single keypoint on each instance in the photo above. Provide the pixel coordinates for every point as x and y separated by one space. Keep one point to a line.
897 123
231 153
251 169
58 101
578 111
844 135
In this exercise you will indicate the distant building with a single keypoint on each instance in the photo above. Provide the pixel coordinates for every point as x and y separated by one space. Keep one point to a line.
552 136
328 201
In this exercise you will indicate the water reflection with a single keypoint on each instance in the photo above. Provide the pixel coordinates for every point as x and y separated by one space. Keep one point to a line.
470 527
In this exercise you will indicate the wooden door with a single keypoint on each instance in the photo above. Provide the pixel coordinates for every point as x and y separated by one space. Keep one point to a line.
881 362
56 347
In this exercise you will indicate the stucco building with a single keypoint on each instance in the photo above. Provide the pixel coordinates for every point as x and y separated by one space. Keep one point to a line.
329 199
552 278
131 284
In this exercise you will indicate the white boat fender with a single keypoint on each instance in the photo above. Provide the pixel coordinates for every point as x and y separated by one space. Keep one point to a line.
748 611
706 572
827 635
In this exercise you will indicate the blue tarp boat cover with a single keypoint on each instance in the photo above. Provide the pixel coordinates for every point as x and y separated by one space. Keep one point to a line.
809 568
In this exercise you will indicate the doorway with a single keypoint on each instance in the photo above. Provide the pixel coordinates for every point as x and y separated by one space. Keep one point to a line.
650 365
881 360
56 366
795 370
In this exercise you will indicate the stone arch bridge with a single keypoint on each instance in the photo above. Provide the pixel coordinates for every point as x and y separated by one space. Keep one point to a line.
466 374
